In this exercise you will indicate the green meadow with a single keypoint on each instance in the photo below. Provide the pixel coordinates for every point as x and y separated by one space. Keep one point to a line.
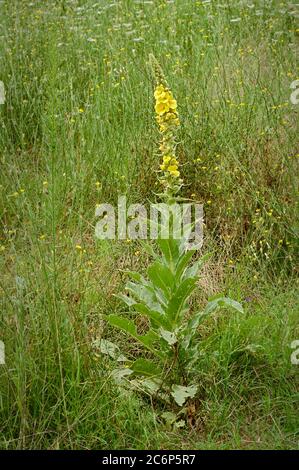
78 128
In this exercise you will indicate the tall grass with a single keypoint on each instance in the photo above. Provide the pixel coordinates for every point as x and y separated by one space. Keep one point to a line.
77 129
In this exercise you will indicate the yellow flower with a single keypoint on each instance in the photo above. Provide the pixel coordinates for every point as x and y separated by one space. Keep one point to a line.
159 89
172 104
172 168
161 108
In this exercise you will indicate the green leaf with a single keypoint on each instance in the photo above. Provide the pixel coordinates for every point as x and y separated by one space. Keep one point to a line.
191 327
147 295
148 248
182 263
169 417
177 302
129 327
161 277
192 271
136 276
180 393
159 318
152 385
170 250
124 324
145 367
128 300
219 301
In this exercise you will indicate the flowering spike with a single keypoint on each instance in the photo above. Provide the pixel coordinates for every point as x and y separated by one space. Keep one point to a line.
168 121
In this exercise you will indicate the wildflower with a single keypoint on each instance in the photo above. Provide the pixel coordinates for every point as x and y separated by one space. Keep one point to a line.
168 121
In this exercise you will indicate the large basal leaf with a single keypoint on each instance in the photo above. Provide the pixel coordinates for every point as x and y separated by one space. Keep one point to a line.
181 393
145 367
129 327
124 324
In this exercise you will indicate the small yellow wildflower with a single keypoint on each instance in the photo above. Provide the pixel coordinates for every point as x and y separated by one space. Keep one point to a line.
172 168
166 159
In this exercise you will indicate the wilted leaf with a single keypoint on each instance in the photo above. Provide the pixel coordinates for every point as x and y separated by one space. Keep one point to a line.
111 349
181 393
120 374
169 336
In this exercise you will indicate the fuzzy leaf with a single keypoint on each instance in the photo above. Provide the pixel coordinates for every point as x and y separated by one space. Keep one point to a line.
158 318
129 327
180 393
179 298
120 374
182 263
169 336
161 277
170 250
192 271
220 301
111 349
145 367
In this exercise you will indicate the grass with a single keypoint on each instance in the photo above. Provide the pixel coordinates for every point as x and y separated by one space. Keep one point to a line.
77 129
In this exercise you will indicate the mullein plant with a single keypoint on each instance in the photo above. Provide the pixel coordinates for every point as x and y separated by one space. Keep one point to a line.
166 366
